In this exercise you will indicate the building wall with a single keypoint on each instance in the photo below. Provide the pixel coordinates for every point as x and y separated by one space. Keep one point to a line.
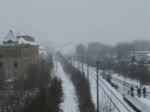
15 59
10 42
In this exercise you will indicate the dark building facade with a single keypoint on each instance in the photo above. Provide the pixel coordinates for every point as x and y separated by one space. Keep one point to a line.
16 57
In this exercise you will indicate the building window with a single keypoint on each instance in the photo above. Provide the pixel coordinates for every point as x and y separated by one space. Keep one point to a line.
1 64
1 55
15 64
15 55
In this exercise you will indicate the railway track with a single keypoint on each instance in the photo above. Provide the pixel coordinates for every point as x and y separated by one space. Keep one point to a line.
105 90
92 73
135 107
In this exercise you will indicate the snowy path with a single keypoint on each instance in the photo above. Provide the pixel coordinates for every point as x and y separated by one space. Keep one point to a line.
70 103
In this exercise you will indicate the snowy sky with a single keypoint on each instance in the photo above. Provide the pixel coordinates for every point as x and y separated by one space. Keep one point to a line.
107 21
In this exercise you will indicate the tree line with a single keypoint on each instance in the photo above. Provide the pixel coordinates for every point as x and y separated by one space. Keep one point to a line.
50 93
116 58
120 51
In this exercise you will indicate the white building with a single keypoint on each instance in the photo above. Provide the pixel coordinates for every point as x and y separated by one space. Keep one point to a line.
141 55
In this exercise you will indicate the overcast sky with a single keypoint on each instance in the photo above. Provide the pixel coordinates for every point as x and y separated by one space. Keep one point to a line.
106 21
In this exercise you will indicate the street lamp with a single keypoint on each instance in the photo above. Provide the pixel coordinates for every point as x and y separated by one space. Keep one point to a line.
97 63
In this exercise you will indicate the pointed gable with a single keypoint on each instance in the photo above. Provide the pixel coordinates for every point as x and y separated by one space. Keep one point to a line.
10 38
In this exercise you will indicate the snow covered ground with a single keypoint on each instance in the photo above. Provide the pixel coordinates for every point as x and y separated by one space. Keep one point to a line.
130 81
124 90
103 98
70 103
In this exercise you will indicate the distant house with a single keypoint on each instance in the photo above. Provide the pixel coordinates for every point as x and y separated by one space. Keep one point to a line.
16 54
141 55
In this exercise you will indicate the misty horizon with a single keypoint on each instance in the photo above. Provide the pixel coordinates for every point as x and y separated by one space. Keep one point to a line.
108 22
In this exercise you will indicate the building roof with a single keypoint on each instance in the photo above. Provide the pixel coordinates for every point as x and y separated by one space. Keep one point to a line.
141 52
10 36
23 41
148 55
42 50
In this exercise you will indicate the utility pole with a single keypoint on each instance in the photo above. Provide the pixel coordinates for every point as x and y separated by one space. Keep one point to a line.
82 64
141 73
74 61
70 60
87 69
97 63
78 63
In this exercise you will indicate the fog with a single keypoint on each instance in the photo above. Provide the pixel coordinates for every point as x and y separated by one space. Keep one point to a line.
88 55
50 21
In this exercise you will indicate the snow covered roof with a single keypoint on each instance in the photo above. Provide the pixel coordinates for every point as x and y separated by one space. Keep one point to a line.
141 52
32 43
42 50
148 55
11 39
10 36
23 41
